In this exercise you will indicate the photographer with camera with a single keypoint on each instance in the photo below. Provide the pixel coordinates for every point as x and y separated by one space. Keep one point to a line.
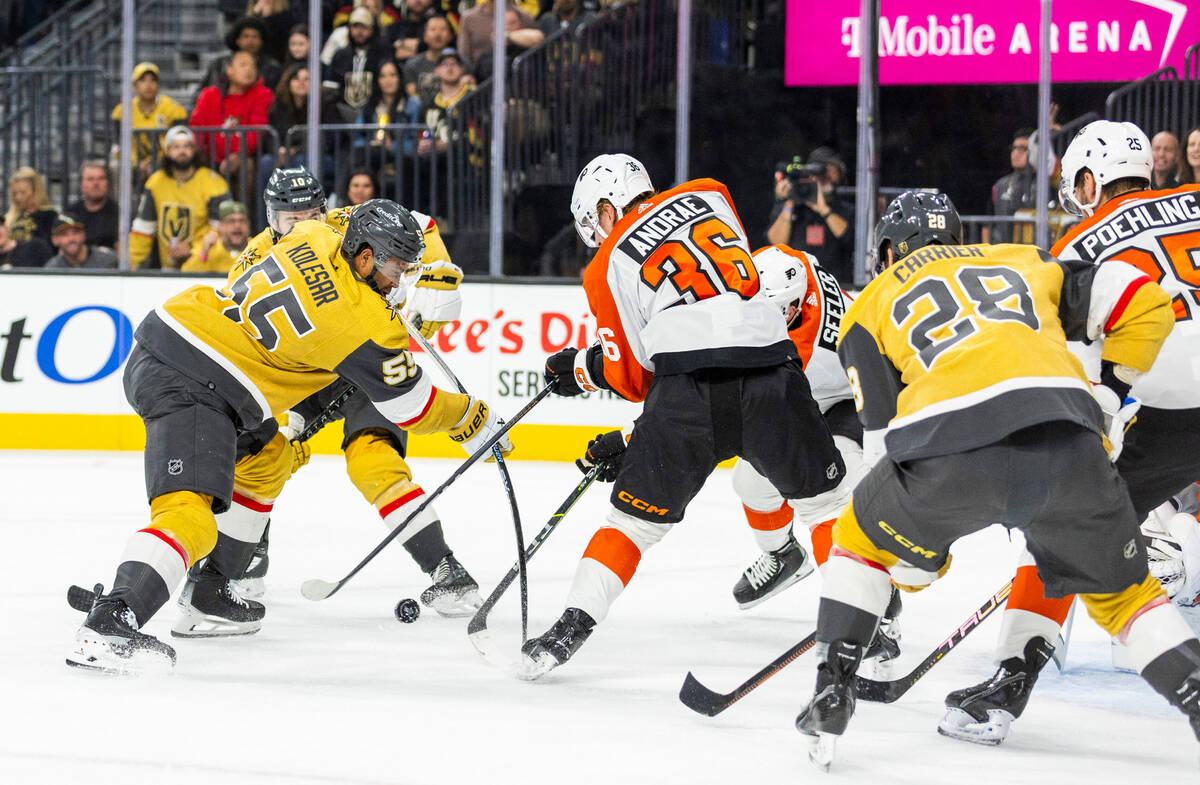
809 217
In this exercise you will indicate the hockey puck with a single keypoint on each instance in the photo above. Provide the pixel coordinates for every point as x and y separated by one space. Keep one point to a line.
408 610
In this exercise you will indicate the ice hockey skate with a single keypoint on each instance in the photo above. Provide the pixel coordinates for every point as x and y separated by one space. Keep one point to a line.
211 608
827 715
885 646
555 646
983 714
109 641
771 573
454 592
253 584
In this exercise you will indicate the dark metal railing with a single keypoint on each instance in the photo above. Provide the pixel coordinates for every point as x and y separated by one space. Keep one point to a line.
52 119
1159 101
393 154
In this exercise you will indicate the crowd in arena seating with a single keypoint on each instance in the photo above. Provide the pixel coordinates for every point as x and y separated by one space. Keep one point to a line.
383 63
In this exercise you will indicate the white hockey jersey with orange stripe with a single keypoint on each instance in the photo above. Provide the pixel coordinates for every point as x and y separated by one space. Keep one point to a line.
674 290
816 334
1159 233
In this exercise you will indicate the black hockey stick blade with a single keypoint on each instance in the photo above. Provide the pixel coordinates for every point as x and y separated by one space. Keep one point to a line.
317 589
477 626
890 691
702 700
522 572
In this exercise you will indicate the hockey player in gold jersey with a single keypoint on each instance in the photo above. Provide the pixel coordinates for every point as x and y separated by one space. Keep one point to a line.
962 378
373 445
212 363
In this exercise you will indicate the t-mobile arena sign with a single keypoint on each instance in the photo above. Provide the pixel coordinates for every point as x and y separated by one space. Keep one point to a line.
978 41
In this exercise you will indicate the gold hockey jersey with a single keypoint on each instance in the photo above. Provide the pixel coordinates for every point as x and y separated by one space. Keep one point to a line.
955 347
287 326
170 210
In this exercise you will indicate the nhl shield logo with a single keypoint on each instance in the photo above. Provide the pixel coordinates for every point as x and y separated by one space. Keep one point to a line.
175 466
832 471
1131 549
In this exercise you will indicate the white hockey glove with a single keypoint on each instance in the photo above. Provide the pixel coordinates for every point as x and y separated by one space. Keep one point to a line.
1173 552
1119 415
435 299
292 425
477 426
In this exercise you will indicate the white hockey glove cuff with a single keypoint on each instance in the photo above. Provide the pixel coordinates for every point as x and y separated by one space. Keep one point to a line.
1119 415
478 425
292 425
435 298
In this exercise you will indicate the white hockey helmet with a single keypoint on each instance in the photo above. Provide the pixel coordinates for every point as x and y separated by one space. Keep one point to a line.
615 177
782 278
1110 151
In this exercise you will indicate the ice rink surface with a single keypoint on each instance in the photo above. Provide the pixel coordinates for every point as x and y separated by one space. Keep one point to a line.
340 692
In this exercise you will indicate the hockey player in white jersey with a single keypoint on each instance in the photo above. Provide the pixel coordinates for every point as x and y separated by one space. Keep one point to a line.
682 326
1106 174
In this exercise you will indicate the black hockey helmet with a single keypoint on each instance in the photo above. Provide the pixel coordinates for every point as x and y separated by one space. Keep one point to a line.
913 220
292 194
389 230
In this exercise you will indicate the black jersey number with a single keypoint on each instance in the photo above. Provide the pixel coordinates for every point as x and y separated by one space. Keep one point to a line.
256 309
999 294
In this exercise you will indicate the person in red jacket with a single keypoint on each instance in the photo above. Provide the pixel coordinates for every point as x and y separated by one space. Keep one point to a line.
240 101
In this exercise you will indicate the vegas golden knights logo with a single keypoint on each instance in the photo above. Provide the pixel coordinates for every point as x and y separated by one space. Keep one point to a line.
177 221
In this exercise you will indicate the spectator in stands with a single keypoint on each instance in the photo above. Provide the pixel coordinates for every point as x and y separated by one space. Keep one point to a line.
454 86
1189 169
74 252
30 214
353 70
568 14
361 187
34 253
516 41
248 34
389 104
290 109
380 15
277 17
407 35
298 44
419 80
1164 148
97 210
815 220
151 112
217 254
179 206
243 102
1016 190
475 32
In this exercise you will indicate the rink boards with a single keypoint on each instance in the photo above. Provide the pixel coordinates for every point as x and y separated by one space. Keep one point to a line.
64 341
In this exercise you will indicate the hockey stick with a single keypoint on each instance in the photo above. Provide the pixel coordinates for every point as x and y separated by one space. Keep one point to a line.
317 589
889 691
702 700
1064 640
477 629
414 330
327 414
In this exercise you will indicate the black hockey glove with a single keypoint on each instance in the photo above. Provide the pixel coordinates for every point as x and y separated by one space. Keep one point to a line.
608 449
574 372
